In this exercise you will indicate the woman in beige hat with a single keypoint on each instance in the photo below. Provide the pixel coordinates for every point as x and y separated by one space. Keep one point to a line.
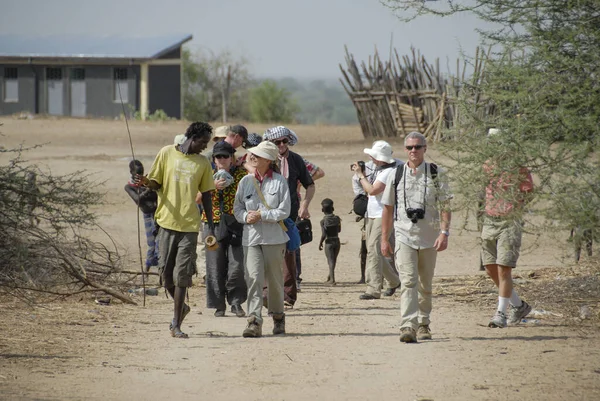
262 201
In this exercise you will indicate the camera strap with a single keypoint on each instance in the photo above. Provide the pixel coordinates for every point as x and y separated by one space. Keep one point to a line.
424 191
433 169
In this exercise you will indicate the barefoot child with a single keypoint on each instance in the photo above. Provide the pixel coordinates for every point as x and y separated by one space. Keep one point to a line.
331 225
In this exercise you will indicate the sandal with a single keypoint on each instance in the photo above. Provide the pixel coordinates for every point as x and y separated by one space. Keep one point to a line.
186 310
178 334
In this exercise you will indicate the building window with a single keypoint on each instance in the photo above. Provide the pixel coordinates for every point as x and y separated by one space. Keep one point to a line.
77 74
11 84
54 74
121 85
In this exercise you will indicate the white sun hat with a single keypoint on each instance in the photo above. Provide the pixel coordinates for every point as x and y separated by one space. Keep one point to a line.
266 150
381 151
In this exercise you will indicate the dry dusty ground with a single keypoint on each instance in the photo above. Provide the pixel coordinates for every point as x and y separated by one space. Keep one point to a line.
336 346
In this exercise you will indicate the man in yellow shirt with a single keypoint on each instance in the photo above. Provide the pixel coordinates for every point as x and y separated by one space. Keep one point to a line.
178 173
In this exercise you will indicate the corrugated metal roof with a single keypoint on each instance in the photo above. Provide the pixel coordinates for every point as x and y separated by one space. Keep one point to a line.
100 47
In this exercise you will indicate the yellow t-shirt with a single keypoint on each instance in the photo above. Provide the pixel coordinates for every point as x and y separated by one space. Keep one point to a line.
181 177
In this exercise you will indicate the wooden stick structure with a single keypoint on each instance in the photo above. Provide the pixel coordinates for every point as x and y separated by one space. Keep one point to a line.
405 94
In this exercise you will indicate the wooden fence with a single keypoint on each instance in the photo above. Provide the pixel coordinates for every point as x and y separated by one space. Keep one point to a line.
405 94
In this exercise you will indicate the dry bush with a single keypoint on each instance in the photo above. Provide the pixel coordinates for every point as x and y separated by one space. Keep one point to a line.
42 250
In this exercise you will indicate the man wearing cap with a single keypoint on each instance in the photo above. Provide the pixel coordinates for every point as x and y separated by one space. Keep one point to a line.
509 189
420 199
294 170
236 136
377 266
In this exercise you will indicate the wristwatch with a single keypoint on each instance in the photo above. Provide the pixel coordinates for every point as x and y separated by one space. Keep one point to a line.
446 233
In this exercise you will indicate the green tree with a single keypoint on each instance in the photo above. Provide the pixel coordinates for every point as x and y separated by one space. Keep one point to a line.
542 82
270 103
215 86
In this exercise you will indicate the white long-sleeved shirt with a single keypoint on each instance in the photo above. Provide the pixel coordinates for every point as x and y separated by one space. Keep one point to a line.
267 231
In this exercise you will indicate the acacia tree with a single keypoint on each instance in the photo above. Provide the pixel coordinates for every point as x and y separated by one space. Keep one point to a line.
270 103
215 86
542 77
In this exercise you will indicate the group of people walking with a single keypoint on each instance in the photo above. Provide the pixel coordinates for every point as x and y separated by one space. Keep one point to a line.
239 205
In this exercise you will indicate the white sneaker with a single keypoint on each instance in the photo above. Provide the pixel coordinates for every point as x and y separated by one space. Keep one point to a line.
517 313
498 320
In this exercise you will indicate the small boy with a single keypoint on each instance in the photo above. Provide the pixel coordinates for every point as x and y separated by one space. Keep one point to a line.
331 226
146 199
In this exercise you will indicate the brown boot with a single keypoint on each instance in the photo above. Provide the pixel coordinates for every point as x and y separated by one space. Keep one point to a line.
278 323
254 329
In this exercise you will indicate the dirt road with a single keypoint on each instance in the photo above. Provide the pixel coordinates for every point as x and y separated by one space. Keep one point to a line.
337 347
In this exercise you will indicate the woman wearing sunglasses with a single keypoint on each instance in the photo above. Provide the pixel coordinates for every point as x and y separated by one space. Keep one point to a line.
225 282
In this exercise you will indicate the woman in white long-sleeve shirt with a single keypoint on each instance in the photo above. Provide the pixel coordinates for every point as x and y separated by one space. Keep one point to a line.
264 238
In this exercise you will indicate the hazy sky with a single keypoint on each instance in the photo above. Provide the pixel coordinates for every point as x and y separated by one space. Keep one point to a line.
301 38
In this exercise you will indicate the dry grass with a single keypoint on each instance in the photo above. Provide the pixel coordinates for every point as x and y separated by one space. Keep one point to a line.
569 293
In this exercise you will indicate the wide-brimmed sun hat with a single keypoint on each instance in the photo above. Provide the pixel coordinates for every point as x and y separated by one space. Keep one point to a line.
220 133
381 151
266 150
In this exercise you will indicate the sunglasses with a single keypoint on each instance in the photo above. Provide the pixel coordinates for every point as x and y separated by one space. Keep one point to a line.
222 156
416 147
285 141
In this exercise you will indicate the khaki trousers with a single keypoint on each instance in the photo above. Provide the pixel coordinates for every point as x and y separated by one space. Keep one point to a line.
378 266
264 261
416 268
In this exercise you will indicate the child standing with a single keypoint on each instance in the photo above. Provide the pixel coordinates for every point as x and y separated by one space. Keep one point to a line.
331 226
146 199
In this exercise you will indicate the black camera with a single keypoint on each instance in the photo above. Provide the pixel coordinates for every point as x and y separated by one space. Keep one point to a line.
415 214
361 164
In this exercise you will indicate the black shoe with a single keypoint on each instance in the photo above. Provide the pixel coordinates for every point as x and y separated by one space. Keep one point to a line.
238 311
219 313
390 291
367 296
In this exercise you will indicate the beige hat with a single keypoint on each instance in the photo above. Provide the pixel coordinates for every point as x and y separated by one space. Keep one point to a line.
220 132
381 151
266 150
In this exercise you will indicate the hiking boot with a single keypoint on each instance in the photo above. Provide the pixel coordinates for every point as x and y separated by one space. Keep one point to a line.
517 313
238 310
423 332
408 335
278 323
219 313
498 320
367 296
390 291
254 329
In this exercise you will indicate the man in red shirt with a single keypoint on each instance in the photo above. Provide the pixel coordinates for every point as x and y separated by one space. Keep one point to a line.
508 190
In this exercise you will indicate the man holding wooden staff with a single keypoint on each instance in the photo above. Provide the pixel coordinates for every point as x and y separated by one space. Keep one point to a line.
178 173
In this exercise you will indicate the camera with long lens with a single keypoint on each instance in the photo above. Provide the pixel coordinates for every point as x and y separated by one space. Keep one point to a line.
415 214
361 164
